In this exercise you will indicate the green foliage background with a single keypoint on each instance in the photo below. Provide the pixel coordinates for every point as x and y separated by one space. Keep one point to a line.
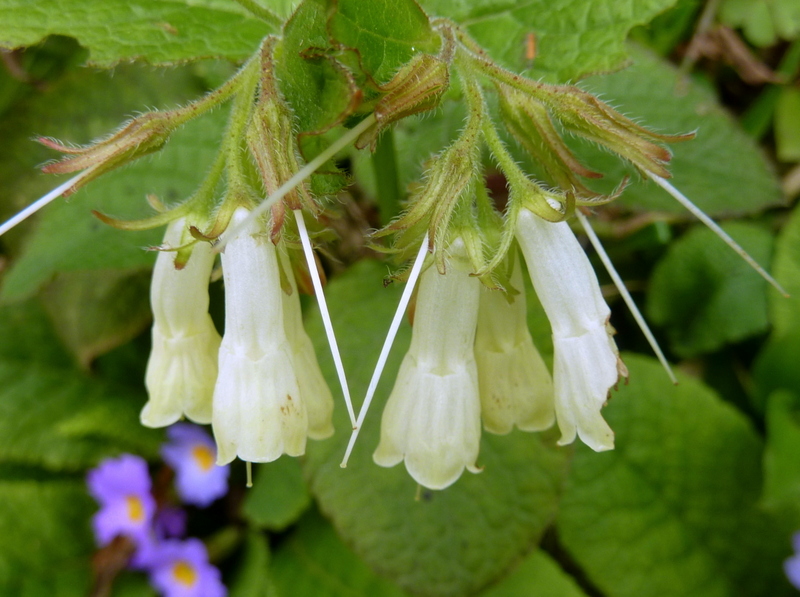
701 495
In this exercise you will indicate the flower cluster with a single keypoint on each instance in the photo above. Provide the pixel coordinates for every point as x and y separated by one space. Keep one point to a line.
472 360
452 377
122 486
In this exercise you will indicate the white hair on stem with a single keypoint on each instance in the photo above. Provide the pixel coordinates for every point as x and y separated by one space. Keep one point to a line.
323 309
700 215
416 268
626 296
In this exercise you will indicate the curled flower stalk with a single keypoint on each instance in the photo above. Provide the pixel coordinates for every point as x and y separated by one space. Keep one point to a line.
586 361
182 367
258 413
515 385
432 418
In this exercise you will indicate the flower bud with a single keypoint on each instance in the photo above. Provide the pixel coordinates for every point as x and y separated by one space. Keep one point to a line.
586 360
258 412
432 418
182 368
515 385
417 87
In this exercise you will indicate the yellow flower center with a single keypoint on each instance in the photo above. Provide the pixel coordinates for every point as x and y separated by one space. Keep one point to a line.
184 573
203 456
135 508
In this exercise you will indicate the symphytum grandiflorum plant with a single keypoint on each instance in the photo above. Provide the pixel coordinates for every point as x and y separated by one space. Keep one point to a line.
505 176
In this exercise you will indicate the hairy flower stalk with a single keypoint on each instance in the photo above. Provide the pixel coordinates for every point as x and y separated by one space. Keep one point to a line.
432 418
515 385
182 368
586 361
258 412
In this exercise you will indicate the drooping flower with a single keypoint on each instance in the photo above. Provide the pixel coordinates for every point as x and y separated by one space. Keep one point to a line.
586 361
515 384
192 454
122 488
258 413
183 363
314 390
181 569
432 418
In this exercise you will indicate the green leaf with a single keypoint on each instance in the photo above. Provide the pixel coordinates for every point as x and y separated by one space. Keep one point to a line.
253 578
279 495
785 312
67 237
45 530
722 169
54 416
573 39
705 295
96 311
787 125
313 562
781 465
385 33
776 368
319 89
158 31
672 511
763 21
451 542
537 575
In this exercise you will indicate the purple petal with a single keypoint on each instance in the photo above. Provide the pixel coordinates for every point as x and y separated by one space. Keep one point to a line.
129 516
182 570
792 569
117 477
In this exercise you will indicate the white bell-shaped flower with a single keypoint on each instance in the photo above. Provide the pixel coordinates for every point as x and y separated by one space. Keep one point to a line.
515 384
258 411
182 368
432 418
314 390
586 361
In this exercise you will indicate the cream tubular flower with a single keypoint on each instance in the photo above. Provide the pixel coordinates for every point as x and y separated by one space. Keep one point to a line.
515 384
183 363
586 362
314 390
432 418
258 412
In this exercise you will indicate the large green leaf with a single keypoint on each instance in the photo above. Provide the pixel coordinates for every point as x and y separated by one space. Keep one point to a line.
45 530
313 562
84 105
253 578
158 31
279 495
705 295
451 542
96 311
54 416
385 33
722 169
785 312
672 511
537 575
573 38
781 465
319 89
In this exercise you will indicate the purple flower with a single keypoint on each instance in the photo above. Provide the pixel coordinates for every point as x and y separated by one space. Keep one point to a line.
170 522
122 488
192 454
792 565
181 569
